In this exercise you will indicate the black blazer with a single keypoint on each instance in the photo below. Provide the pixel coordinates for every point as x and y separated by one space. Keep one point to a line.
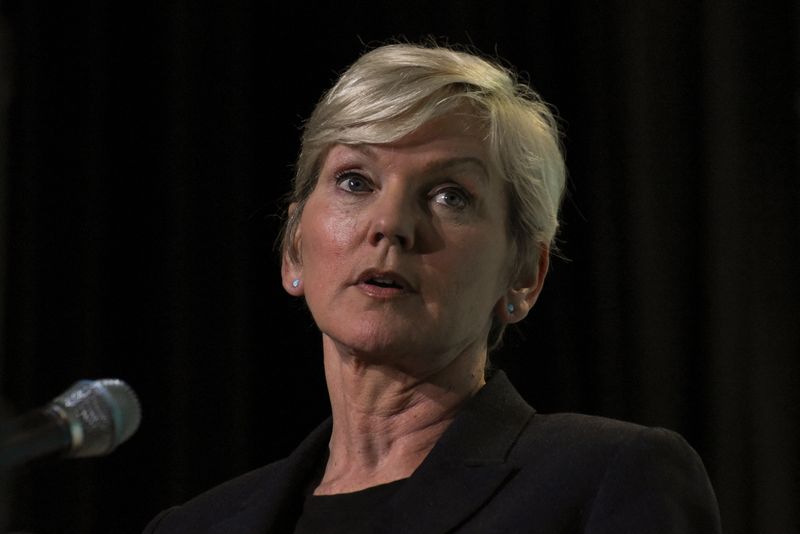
499 467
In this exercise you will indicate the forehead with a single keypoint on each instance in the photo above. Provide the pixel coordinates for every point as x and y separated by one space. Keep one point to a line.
454 139
458 128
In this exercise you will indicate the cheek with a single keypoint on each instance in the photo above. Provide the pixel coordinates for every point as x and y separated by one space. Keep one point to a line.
339 231
327 240
479 265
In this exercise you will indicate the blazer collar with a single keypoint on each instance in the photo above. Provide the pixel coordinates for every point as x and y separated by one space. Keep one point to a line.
466 467
458 477
280 494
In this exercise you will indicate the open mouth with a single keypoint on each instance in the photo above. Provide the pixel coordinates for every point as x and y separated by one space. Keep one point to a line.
383 282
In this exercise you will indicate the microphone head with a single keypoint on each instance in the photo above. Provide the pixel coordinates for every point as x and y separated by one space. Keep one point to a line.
100 415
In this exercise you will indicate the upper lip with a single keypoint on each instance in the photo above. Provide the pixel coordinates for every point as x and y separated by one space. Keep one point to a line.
380 274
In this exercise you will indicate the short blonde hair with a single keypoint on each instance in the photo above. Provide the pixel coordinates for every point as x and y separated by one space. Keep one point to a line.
394 89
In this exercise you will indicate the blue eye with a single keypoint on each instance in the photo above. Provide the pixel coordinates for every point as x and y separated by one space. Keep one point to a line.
452 198
353 182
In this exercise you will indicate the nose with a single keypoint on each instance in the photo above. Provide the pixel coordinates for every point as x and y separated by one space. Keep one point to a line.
393 219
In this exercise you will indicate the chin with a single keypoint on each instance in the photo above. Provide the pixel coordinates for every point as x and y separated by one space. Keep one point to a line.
381 344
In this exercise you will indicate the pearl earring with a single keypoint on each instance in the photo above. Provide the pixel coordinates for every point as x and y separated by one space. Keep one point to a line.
296 282
510 308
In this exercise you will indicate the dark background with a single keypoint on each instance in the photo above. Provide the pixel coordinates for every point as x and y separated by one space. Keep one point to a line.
145 148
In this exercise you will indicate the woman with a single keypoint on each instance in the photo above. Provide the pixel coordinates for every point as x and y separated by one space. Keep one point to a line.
424 210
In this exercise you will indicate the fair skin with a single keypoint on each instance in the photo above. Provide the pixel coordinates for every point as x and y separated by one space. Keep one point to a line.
405 260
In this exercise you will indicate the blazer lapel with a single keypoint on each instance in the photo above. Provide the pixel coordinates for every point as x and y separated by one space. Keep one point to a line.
460 475
466 467
265 510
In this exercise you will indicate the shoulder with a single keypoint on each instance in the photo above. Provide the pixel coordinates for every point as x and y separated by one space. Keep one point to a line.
256 501
216 504
623 475
597 448
588 443
499 419
594 435
600 440
500 407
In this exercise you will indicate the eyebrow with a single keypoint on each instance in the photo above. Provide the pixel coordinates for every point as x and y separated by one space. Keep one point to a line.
436 166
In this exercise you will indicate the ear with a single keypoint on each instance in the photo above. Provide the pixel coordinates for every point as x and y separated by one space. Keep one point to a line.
525 289
291 276
291 271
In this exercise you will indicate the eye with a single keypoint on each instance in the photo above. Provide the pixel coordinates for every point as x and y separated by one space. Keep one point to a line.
452 197
353 182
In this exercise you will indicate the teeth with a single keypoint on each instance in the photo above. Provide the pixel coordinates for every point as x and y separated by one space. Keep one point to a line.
384 280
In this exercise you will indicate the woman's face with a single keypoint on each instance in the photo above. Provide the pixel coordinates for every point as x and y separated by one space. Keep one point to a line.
404 250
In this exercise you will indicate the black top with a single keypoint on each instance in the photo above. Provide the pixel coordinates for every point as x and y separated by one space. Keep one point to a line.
343 513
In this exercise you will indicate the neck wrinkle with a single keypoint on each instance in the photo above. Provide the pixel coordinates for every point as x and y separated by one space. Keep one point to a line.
385 421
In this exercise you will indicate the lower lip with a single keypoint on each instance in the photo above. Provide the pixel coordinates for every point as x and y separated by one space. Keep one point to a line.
381 292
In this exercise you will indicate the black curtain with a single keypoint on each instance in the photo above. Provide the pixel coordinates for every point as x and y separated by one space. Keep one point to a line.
145 149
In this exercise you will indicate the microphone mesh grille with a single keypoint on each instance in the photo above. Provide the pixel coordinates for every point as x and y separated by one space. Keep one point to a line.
106 412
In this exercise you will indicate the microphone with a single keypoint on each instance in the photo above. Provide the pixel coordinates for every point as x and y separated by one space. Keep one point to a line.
91 418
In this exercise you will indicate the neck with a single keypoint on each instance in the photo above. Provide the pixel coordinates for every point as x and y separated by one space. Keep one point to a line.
386 420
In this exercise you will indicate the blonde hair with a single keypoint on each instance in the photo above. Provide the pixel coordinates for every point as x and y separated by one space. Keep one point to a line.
394 89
